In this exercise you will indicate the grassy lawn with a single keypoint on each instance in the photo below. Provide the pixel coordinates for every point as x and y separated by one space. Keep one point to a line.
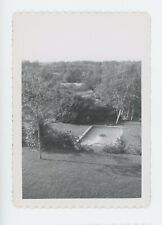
83 175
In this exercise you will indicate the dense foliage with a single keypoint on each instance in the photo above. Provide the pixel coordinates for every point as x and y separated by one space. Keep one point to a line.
79 110
29 136
119 147
55 140
47 87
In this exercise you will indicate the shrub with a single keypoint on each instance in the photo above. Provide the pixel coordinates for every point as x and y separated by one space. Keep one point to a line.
121 147
138 150
136 147
117 148
84 148
29 136
54 140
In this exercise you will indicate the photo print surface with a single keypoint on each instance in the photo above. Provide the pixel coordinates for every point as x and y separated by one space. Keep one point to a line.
81 84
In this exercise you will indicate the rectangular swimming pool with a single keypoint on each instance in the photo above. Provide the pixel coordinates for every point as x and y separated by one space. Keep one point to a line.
102 135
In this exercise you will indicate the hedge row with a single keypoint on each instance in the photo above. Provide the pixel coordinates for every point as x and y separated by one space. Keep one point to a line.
51 140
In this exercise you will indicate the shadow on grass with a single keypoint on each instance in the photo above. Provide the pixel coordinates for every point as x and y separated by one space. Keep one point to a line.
72 161
121 166
131 171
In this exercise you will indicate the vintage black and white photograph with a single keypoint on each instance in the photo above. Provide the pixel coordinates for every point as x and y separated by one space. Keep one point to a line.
80 80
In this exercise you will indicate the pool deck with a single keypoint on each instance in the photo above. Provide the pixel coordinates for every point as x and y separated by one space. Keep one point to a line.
84 133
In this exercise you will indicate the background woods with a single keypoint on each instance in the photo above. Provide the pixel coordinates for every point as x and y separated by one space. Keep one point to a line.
58 90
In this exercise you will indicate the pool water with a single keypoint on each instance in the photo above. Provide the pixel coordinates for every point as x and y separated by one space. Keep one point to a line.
102 135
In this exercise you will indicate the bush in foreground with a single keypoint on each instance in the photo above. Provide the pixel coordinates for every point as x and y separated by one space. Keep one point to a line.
119 147
29 136
135 148
53 140
122 147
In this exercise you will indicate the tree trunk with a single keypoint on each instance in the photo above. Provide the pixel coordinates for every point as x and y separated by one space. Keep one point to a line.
39 142
132 114
117 119
127 114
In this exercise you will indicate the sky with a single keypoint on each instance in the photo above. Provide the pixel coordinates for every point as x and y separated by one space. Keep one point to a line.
49 37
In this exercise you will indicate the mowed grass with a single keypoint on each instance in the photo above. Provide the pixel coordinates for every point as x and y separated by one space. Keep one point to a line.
83 175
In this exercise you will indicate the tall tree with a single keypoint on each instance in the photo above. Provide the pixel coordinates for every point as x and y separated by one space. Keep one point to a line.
121 88
36 96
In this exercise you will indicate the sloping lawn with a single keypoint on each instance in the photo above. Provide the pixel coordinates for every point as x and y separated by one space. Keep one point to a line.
84 175
81 175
